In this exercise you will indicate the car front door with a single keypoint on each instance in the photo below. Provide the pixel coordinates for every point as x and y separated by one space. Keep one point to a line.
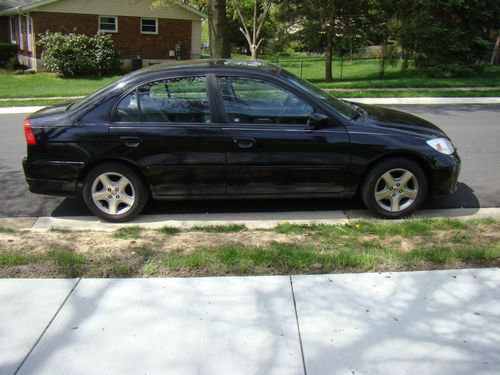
271 148
165 126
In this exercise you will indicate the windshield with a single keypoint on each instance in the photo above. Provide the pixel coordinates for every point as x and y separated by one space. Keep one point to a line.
339 105
88 99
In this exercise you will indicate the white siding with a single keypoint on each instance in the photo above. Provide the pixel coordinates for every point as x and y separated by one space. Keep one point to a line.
195 39
133 8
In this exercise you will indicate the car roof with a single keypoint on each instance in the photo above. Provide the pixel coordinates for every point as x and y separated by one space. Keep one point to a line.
204 64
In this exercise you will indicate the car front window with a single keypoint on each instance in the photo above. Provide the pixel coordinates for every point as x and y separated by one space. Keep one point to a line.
254 101
338 105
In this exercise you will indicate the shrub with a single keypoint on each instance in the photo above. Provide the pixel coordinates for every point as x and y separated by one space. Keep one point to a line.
7 52
77 54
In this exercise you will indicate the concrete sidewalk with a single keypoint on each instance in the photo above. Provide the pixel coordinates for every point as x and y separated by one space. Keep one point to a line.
433 322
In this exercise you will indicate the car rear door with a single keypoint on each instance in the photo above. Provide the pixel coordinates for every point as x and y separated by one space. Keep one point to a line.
165 126
271 148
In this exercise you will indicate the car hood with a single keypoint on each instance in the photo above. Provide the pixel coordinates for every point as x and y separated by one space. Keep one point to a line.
398 120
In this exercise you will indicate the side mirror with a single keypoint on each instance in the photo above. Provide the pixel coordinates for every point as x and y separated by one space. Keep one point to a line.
318 121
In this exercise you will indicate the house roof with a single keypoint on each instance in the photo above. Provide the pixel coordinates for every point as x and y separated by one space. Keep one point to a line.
8 7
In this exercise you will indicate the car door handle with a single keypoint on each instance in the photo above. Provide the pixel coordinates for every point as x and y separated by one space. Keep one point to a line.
244 142
131 141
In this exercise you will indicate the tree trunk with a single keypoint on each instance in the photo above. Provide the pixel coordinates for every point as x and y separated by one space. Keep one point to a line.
217 25
495 59
329 54
254 52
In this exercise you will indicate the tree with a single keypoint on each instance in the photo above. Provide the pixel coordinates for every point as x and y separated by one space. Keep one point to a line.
217 23
454 37
253 33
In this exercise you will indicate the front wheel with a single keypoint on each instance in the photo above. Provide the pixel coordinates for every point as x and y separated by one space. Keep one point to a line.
114 192
395 188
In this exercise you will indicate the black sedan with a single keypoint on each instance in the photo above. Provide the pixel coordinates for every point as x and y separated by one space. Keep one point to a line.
222 129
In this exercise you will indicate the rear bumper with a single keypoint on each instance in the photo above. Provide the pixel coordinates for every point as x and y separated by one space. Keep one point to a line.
52 187
445 172
61 181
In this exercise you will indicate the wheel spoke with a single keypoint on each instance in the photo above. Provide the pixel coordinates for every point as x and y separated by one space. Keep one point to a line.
122 183
408 193
405 178
395 203
124 198
383 194
388 179
113 205
100 196
107 183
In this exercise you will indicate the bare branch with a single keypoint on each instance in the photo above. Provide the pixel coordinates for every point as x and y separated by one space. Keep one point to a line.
246 33
263 18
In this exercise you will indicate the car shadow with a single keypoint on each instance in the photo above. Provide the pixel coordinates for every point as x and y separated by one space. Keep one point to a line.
463 198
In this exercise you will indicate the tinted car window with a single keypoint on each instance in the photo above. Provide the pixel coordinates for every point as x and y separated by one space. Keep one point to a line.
340 106
254 101
167 100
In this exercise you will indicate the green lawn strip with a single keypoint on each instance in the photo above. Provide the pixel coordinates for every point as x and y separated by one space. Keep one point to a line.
338 94
7 230
69 263
47 85
231 228
126 233
407 228
415 93
169 230
11 259
356 247
31 103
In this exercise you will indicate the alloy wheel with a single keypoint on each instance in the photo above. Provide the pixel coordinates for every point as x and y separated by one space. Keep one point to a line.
113 193
396 190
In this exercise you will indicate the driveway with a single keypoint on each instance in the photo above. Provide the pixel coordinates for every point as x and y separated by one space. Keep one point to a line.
475 129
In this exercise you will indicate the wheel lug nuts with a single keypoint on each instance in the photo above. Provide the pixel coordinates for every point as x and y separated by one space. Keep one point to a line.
393 194
109 189
116 189
110 197
117 197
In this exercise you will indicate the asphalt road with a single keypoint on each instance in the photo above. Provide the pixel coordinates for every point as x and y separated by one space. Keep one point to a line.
475 130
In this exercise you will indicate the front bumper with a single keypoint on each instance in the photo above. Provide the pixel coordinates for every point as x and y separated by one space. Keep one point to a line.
445 172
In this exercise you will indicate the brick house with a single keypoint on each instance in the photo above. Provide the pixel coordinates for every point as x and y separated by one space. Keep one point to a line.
156 35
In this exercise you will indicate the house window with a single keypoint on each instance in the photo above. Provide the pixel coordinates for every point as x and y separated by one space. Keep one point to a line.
108 24
149 25
12 29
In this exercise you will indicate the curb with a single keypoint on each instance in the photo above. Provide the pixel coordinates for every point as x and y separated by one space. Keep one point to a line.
378 101
254 220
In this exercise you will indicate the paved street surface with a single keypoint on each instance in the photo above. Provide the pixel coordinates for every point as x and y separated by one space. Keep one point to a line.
434 322
475 129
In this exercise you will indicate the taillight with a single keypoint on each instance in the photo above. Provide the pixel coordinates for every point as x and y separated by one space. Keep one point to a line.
28 132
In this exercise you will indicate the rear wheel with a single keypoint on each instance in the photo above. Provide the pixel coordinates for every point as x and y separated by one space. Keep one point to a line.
395 188
114 192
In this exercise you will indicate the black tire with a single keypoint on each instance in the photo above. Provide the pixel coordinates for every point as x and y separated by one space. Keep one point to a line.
135 188
375 183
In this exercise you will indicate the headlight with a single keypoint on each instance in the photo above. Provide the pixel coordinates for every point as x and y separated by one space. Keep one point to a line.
441 145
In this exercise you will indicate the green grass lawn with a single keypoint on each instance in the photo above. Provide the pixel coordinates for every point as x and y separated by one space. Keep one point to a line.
358 74
47 85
